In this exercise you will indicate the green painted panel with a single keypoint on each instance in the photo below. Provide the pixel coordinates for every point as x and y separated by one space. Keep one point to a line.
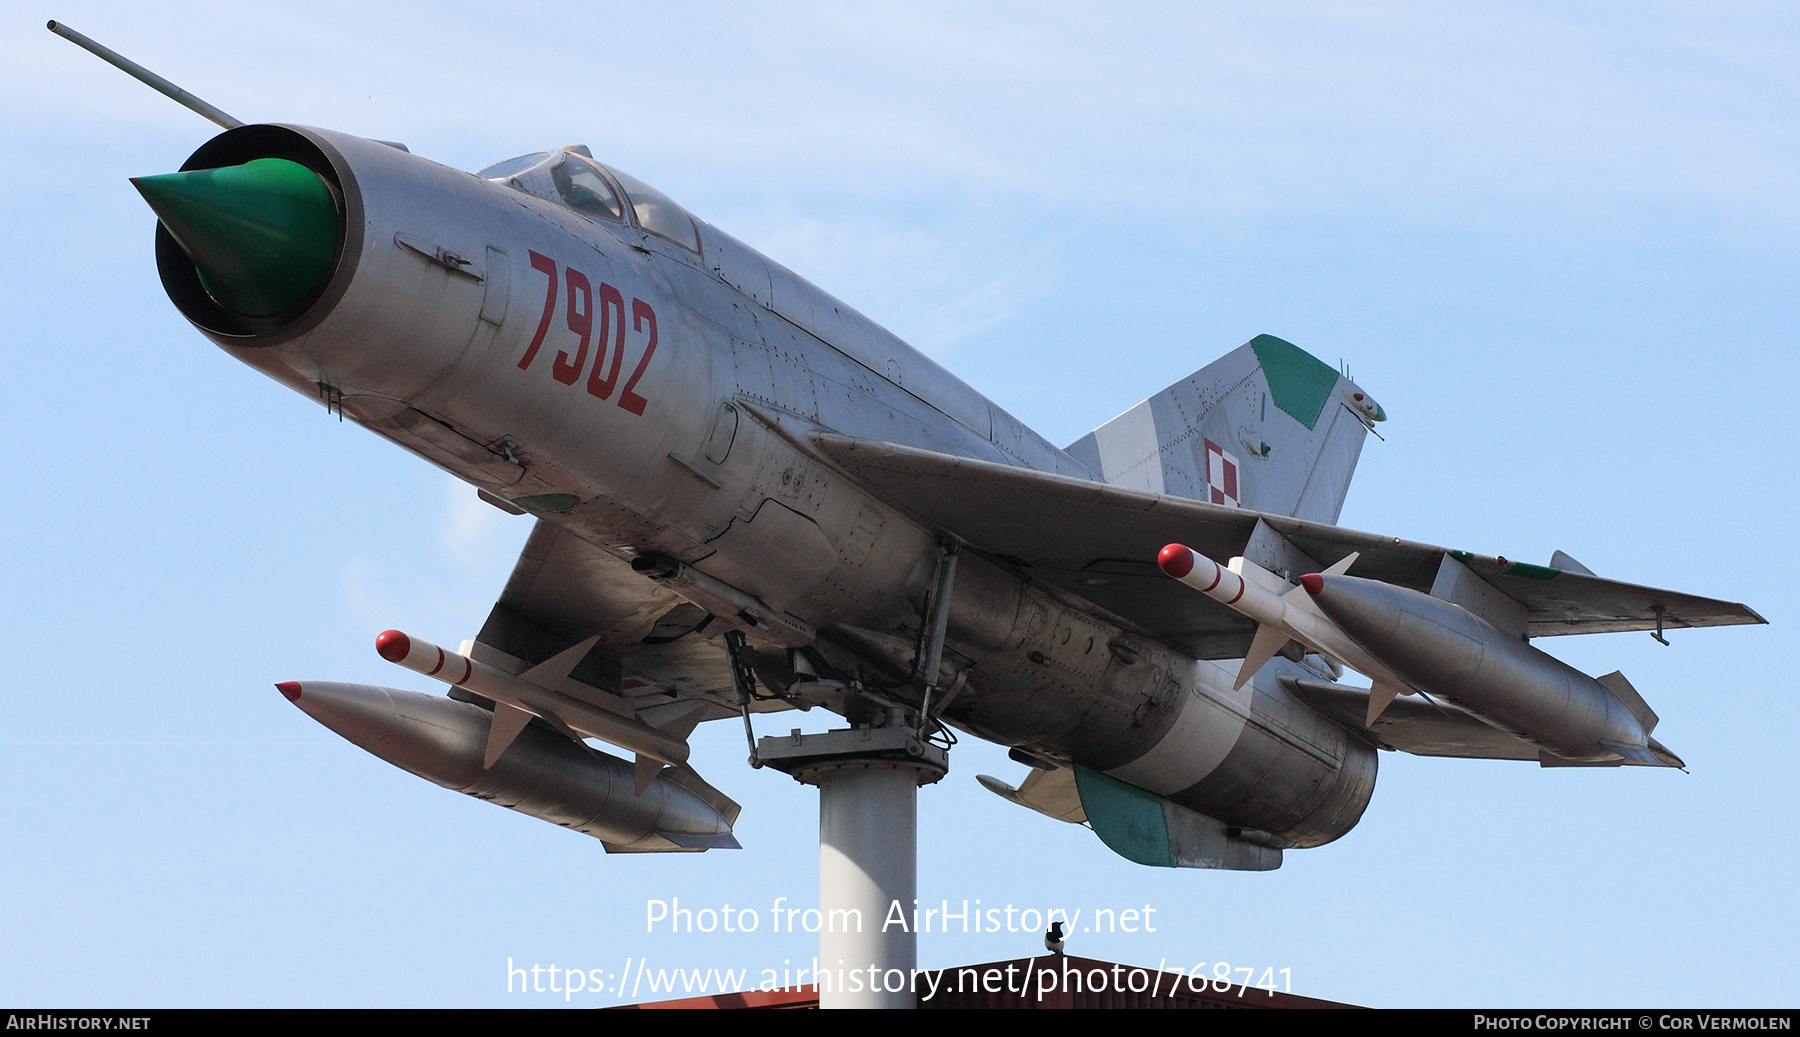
1300 383
1127 819
1532 572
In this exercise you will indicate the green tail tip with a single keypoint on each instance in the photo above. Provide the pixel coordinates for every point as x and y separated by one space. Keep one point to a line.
262 235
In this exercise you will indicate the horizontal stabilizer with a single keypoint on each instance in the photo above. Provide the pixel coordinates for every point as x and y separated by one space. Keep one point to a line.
1051 793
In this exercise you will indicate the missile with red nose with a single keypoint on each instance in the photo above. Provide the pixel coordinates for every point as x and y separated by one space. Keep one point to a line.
536 692
1449 652
1404 640
542 773
1282 613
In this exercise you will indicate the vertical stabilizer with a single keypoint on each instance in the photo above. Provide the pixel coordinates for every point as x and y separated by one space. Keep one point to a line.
1266 427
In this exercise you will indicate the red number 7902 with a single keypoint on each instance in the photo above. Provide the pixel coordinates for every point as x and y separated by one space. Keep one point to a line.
610 342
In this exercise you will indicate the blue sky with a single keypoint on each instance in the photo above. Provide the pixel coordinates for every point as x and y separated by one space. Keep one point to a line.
1557 242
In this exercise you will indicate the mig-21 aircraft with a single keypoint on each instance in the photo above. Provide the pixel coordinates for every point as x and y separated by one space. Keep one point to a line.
750 498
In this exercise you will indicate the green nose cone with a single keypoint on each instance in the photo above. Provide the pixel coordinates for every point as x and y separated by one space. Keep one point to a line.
262 235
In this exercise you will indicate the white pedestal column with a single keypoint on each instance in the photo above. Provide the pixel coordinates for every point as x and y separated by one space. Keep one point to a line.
868 862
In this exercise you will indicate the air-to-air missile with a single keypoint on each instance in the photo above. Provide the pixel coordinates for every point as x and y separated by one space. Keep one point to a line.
1405 641
1281 612
542 773
535 693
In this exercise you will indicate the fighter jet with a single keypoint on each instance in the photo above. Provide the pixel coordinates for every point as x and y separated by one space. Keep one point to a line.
750 498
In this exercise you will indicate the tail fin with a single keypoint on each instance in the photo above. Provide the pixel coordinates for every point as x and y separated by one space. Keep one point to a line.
1266 427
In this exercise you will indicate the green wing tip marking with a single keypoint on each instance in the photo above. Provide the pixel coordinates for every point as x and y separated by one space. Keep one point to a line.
1300 383
1532 572
1523 570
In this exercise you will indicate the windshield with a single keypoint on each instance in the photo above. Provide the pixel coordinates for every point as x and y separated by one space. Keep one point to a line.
657 212
582 186
570 177
502 170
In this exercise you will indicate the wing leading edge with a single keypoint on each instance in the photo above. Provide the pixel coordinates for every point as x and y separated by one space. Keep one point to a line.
1099 542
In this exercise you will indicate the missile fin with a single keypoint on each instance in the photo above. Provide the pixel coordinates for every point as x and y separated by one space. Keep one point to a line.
1380 696
646 771
1342 565
508 722
683 726
1299 598
1267 642
1622 690
552 671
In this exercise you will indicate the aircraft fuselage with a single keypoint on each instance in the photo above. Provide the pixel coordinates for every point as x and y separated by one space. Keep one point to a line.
652 400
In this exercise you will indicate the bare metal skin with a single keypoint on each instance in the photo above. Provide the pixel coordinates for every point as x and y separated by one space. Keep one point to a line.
710 443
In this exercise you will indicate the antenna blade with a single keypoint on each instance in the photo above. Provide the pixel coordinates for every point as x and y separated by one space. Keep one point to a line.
145 76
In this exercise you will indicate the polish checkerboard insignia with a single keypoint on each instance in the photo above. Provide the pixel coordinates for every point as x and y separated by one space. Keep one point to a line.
1221 475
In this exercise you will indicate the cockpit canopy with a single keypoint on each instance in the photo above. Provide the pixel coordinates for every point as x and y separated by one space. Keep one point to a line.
571 177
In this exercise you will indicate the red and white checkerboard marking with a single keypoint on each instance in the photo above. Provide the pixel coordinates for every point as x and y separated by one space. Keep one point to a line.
1221 475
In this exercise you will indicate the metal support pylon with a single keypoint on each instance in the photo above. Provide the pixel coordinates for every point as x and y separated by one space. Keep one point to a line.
868 780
